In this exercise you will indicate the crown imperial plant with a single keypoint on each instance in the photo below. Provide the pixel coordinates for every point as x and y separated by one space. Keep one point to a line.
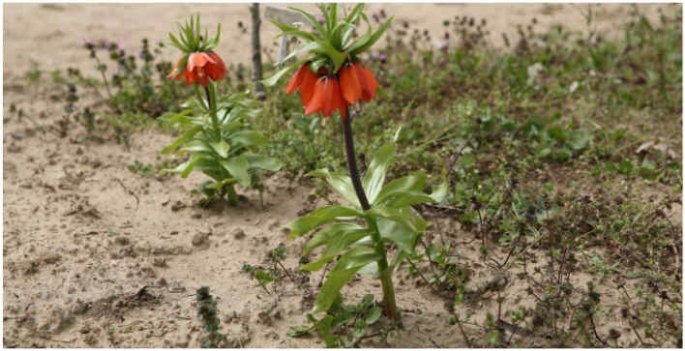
330 76
214 128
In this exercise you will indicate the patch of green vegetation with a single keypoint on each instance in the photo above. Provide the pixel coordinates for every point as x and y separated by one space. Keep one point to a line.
207 312
34 74
346 325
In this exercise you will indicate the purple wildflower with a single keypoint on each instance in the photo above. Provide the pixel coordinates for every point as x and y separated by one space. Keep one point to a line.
88 43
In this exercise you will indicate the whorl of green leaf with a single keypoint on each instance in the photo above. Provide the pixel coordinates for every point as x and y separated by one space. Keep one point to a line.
190 38
329 44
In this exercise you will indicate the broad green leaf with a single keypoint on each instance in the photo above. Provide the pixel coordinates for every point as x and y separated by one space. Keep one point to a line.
336 245
411 183
263 277
319 217
409 198
207 188
186 167
195 146
373 315
287 29
440 193
262 162
324 326
324 235
347 266
311 46
248 138
375 175
342 316
171 119
299 331
336 56
219 184
231 120
209 166
341 183
401 216
221 147
370 269
400 234
331 287
358 257
360 329
187 136
338 32
365 302
271 81
238 167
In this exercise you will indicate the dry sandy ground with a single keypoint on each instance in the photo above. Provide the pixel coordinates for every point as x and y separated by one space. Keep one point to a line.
95 255
52 34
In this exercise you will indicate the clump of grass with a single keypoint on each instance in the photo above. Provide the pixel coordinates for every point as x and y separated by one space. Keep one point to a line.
206 311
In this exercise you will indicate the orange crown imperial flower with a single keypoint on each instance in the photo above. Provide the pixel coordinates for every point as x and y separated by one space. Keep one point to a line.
329 92
330 77
199 63
199 67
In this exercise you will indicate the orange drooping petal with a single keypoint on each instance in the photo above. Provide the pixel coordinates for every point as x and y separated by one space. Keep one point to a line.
217 70
371 81
317 101
340 101
331 95
296 79
189 77
349 84
196 70
201 76
307 87
366 87
198 59
336 99
213 72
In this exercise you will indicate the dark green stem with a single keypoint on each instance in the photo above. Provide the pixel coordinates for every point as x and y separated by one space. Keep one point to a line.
211 104
384 272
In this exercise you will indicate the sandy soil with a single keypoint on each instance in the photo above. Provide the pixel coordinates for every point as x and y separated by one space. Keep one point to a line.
98 256
52 34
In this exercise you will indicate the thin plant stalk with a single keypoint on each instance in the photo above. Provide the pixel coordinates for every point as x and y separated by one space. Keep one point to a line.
211 105
212 111
384 271
104 77
232 195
